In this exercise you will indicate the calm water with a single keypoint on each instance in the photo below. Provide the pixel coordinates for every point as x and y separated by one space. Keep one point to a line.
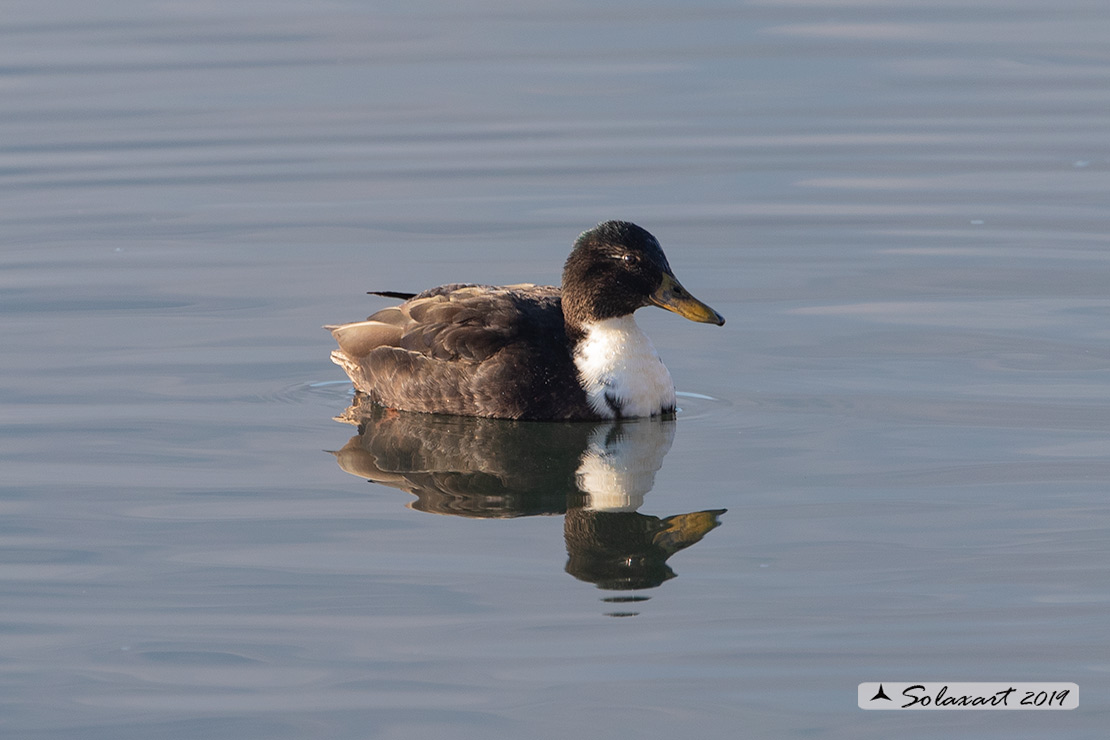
901 208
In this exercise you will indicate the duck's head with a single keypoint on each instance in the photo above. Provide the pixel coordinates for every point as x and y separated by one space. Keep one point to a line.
617 267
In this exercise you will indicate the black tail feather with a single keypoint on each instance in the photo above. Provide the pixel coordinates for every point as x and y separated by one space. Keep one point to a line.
391 294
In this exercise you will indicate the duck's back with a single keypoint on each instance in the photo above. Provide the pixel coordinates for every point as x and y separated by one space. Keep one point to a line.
474 350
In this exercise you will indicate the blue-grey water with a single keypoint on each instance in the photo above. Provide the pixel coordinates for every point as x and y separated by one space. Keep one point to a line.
903 210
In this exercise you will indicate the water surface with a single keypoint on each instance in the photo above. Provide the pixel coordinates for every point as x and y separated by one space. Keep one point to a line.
899 207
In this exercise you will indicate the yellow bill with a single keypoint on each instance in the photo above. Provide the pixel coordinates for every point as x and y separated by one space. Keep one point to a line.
673 297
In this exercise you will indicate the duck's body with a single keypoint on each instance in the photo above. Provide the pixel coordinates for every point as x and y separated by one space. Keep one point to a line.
471 350
527 351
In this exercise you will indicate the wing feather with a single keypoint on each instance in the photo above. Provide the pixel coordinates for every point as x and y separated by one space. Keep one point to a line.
466 349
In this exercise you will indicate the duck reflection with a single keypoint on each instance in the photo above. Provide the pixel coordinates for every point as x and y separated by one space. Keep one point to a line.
596 474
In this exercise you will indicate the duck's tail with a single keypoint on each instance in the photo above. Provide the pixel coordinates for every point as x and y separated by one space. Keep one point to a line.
392 294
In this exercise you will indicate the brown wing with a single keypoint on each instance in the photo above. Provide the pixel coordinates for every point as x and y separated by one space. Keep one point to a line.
474 350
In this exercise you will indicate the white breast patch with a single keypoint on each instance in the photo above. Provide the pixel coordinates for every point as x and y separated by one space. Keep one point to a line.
621 372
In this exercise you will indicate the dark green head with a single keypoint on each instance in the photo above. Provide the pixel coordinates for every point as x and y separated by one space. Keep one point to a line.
617 267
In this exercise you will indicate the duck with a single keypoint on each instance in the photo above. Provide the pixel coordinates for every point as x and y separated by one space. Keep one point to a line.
529 352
